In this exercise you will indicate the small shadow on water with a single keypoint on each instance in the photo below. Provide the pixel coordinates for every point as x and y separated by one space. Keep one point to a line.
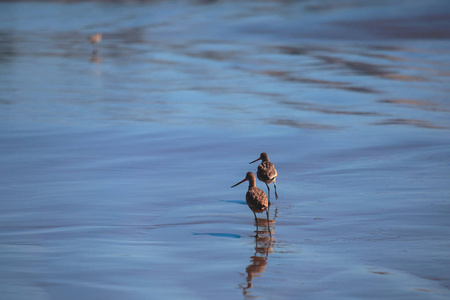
227 235
234 201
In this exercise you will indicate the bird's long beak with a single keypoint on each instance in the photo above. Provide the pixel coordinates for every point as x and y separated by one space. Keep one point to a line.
239 182
255 160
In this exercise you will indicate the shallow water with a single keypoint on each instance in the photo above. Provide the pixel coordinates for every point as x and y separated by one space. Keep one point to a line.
116 165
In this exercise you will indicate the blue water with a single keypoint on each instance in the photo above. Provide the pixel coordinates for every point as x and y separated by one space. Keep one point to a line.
116 164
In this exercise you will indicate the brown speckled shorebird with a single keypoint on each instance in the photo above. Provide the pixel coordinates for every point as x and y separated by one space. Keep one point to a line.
256 199
267 172
95 38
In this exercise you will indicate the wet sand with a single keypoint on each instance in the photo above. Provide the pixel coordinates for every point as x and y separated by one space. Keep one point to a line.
116 165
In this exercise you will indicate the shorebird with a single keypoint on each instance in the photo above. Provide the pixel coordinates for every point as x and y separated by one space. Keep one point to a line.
95 39
256 199
267 172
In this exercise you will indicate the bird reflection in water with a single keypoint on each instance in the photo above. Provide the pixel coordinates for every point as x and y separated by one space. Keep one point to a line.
95 58
258 261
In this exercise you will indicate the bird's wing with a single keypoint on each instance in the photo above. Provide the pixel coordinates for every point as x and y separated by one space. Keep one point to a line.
268 169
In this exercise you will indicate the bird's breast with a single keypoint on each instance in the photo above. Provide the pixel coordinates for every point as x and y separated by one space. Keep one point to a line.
256 200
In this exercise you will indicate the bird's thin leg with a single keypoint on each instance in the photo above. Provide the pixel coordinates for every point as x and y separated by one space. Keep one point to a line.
256 221
268 223
275 185
268 193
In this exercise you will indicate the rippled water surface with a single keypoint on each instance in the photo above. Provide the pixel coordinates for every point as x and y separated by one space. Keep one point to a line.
116 161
